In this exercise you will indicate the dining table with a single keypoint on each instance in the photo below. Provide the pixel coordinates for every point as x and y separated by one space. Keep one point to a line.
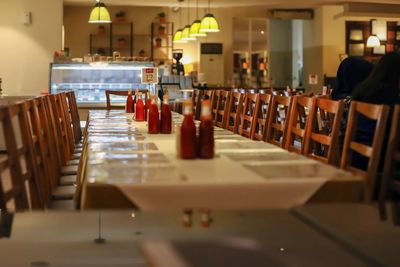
126 167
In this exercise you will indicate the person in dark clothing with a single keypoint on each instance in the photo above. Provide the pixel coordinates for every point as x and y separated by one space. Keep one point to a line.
381 87
351 72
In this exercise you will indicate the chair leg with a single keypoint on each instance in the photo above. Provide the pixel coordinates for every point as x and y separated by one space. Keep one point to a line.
382 210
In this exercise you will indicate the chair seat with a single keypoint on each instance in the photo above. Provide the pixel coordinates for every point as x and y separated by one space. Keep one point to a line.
63 205
76 156
68 180
63 192
69 170
73 162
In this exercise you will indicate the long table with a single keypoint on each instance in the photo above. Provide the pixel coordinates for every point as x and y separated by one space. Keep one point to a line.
126 167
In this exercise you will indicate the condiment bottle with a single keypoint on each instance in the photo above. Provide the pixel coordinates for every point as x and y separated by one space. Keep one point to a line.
206 132
129 103
153 119
147 105
134 103
139 108
166 116
188 133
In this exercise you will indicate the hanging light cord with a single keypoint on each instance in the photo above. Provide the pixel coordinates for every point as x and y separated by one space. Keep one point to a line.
197 9
209 10
188 12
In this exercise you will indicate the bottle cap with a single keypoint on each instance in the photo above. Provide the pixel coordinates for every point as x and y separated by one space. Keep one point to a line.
206 108
153 99
187 107
165 99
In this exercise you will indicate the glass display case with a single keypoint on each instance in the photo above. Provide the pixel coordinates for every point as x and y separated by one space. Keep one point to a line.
90 80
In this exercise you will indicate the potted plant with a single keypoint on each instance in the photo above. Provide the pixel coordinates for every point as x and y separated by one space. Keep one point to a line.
158 42
162 17
161 30
120 16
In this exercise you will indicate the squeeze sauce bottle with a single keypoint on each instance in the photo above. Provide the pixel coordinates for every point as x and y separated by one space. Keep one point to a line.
206 132
166 116
139 108
129 103
188 133
147 105
153 119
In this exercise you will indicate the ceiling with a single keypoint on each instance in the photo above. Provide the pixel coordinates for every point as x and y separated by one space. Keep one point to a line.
229 3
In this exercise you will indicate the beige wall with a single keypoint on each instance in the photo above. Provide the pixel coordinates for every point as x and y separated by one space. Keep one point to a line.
75 17
27 50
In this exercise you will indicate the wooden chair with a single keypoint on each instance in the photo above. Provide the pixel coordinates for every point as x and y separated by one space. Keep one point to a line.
372 152
322 134
214 103
298 123
261 117
17 168
74 113
110 93
235 107
390 184
196 99
278 120
251 103
222 109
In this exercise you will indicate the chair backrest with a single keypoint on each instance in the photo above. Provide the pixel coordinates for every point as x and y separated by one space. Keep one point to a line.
222 108
372 152
214 103
234 111
261 116
322 134
74 113
196 100
250 106
16 167
208 94
110 93
278 120
390 184
298 122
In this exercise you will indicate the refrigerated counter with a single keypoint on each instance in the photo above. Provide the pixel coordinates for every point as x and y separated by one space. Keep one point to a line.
90 80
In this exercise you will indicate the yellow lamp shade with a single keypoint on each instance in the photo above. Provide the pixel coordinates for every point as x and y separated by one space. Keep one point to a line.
178 37
373 41
99 14
186 34
209 24
195 29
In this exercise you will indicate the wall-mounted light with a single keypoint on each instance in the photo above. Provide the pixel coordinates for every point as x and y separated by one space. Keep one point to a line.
99 14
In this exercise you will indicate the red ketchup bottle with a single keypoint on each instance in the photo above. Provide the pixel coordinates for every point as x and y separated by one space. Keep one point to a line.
129 103
154 117
166 116
147 106
187 144
206 132
139 108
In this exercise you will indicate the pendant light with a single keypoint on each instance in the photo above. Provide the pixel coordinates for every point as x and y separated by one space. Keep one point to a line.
209 23
186 31
178 34
99 14
195 27
373 41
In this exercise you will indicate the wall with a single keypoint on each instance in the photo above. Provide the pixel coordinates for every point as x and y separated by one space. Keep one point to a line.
280 54
75 17
27 50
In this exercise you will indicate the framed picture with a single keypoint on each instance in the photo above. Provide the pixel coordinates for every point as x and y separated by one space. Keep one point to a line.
356 50
381 50
379 28
356 35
